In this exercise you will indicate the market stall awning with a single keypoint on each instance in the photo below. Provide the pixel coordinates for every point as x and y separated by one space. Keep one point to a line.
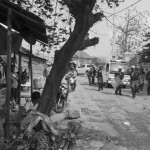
30 26
16 41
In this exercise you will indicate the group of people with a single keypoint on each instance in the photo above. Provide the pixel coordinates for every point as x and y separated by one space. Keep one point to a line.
93 73
137 77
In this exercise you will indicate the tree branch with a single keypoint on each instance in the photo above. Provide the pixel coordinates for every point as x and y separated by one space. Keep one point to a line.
89 42
78 7
97 17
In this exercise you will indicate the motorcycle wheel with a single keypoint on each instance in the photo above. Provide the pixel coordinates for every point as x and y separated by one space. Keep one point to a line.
59 106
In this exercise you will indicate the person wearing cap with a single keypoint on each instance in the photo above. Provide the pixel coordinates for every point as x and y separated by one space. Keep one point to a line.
134 80
100 78
119 77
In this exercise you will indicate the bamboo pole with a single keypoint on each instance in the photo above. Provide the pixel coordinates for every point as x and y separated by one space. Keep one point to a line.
31 73
19 76
8 77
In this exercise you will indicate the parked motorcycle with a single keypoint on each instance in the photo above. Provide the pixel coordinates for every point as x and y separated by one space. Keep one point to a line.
61 98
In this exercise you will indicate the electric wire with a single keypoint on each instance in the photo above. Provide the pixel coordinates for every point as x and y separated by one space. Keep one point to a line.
119 11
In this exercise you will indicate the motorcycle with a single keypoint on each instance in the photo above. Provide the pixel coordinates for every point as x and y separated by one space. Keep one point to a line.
61 98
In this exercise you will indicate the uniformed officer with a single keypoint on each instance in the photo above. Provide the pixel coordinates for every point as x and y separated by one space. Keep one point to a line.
119 77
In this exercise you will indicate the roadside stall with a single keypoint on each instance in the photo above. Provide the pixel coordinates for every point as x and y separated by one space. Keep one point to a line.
26 26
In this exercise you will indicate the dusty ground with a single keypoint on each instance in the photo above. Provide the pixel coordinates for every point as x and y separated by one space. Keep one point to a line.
109 121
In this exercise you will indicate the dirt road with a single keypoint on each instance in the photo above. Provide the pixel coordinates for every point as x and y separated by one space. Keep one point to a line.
111 122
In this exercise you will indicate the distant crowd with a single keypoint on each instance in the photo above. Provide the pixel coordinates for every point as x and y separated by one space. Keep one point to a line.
137 78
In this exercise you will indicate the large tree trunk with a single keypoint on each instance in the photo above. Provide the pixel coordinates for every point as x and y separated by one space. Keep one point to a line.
61 61
84 19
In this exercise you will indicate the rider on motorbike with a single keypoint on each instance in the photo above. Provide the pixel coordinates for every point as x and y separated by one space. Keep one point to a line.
71 78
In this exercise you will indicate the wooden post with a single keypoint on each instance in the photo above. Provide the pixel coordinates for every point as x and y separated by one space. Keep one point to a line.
19 76
14 61
8 77
31 73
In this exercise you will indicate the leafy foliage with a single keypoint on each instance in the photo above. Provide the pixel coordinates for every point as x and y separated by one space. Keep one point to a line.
130 35
58 21
145 54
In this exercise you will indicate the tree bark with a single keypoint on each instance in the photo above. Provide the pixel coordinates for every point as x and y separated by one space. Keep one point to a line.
88 43
63 57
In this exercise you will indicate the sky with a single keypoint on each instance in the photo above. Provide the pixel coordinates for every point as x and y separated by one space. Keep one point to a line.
104 29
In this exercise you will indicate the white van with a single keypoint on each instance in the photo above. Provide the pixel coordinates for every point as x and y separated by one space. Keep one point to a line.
83 68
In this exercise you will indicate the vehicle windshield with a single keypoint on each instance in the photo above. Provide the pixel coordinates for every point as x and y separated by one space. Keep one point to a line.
89 66
82 66
114 67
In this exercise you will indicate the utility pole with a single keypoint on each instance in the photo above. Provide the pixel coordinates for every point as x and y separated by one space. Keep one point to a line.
114 31
113 4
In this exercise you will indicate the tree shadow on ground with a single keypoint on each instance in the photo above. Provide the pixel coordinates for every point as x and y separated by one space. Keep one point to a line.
116 95
84 83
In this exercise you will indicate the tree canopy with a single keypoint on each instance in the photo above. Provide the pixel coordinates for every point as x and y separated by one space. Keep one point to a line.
131 33
145 54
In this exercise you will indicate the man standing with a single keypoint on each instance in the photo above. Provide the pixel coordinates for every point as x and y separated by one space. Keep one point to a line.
134 79
148 80
119 77
100 78
89 75
93 75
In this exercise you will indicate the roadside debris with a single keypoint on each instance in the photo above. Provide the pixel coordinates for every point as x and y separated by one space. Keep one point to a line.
126 123
74 114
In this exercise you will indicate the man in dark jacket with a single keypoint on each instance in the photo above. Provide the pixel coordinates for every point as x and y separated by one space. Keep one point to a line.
119 77
134 79
93 75
89 75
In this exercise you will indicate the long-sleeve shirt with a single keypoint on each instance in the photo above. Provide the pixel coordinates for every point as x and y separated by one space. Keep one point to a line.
134 76
99 73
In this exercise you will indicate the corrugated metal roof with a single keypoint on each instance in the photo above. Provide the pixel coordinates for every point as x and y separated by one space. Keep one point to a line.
23 21
82 54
